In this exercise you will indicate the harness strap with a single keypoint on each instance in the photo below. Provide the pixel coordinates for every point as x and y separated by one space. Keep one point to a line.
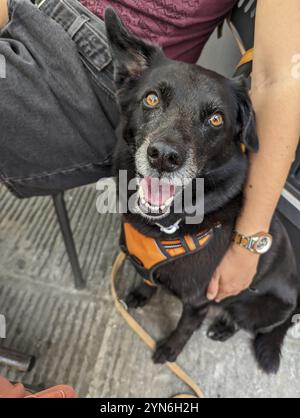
145 337
246 58
247 55
149 254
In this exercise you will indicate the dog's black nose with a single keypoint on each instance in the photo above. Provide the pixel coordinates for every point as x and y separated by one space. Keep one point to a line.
164 157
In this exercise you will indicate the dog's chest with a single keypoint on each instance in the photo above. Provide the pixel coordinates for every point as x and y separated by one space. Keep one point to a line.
184 265
188 277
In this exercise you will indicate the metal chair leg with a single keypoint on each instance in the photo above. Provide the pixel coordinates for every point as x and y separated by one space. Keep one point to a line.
65 227
11 358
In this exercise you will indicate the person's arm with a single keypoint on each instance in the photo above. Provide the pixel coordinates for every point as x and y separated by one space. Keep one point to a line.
3 13
276 100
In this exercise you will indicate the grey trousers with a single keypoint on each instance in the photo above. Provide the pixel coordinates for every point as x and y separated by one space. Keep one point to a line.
57 104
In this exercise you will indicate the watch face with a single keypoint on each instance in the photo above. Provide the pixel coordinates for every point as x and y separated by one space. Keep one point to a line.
263 244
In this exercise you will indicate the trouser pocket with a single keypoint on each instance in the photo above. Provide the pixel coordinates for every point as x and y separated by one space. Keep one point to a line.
89 34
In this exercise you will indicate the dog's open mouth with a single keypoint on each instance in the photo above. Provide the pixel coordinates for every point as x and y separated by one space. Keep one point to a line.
156 196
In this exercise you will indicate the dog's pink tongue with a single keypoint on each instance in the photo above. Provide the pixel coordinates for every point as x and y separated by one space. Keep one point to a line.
156 191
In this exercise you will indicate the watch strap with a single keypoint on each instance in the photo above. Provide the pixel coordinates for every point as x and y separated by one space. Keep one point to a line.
241 240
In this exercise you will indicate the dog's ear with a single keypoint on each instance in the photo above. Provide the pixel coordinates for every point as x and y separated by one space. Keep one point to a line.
131 55
246 123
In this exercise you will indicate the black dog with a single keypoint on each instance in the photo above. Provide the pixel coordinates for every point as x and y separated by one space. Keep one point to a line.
182 121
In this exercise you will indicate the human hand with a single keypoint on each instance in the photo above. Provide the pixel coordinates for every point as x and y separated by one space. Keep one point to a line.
234 274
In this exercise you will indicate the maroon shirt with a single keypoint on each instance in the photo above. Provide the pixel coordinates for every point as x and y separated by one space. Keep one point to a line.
181 27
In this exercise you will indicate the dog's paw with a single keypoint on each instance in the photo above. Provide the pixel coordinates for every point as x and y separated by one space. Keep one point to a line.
166 351
135 300
140 296
268 355
221 330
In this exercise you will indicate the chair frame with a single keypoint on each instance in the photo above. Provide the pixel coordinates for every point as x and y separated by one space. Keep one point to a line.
67 234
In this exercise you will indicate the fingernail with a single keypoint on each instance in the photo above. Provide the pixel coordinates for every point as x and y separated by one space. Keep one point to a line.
210 296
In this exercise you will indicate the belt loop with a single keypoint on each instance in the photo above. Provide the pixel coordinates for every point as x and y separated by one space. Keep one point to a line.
77 25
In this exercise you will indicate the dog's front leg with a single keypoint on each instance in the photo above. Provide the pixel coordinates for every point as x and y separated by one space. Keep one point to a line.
140 296
191 319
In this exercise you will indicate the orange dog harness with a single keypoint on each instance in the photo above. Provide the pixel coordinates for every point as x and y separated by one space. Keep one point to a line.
148 254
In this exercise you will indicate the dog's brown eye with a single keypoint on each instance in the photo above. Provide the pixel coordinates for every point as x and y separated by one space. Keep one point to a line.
151 100
216 120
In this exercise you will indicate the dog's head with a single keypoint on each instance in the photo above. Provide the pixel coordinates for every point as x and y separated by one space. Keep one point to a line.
179 120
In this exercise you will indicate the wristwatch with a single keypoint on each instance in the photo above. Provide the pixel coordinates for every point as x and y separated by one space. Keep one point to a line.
259 243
